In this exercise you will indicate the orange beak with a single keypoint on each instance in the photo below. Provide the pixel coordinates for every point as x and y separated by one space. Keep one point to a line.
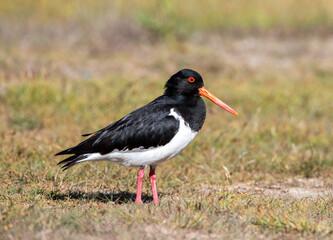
204 92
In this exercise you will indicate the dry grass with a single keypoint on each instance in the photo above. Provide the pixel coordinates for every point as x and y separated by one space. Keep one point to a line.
265 174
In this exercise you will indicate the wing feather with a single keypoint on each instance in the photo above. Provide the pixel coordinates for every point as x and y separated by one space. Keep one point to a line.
149 126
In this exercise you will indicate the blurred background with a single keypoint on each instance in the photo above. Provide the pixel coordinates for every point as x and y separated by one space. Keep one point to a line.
93 62
138 39
72 67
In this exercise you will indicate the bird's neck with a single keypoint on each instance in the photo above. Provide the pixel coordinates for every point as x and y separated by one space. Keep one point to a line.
186 99
192 108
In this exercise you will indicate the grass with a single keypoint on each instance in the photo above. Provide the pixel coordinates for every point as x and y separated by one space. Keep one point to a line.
70 69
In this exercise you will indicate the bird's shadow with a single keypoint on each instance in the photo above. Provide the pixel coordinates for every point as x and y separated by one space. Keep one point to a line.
122 197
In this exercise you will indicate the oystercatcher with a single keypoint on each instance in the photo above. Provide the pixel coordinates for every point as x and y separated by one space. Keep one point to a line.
153 133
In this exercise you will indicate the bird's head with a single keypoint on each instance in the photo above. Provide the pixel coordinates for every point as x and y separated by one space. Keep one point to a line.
187 82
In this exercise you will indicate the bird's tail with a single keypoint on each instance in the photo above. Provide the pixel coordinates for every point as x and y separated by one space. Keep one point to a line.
72 160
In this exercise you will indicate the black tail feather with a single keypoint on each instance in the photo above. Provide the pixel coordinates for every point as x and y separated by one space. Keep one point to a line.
68 159
71 161
64 152
86 134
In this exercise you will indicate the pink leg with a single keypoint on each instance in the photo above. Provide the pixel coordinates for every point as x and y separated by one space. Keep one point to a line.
152 177
141 172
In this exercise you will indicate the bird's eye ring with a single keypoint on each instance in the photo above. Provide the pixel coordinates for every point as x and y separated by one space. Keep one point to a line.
191 79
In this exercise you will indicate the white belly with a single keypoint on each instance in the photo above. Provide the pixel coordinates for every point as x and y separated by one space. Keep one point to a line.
154 155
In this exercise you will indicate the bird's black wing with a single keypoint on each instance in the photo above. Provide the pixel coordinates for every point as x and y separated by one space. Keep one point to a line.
149 126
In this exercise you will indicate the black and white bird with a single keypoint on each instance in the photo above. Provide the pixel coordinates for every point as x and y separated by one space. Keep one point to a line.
153 133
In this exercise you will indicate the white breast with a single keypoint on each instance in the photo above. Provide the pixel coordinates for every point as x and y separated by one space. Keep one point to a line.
154 155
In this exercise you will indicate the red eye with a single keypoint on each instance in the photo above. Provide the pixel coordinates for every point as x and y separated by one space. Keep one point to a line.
191 79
